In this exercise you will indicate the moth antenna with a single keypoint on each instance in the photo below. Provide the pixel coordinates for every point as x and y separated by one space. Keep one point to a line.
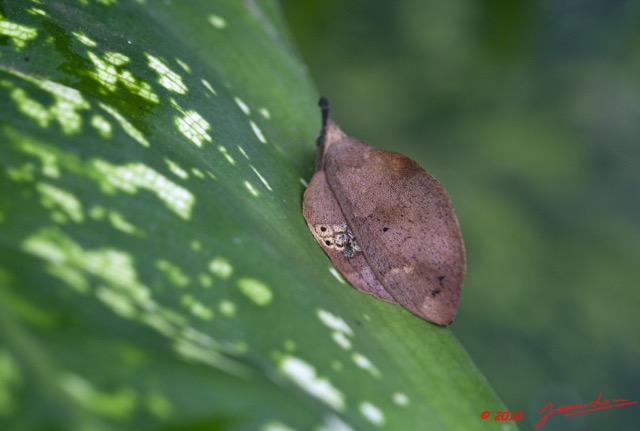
323 103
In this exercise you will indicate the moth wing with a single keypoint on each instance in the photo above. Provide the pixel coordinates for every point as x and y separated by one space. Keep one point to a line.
322 213
405 224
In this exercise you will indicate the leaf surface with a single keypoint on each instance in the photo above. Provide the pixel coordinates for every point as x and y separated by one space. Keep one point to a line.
155 269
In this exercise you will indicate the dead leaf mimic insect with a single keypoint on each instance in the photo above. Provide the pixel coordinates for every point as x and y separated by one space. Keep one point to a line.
387 225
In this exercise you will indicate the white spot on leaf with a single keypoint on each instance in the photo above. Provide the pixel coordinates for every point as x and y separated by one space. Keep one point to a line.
173 272
364 363
53 197
197 308
217 22
221 267
194 127
176 169
258 132
262 179
205 281
243 106
265 113
19 34
226 155
103 127
183 65
84 39
118 221
134 176
243 152
256 291
337 275
65 109
209 87
251 189
304 375
168 78
334 423
126 125
109 72
116 58
227 308
334 322
119 403
37 11
341 339
275 426
400 399
372 413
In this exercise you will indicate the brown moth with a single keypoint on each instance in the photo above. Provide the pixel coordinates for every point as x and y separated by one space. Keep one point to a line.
386 224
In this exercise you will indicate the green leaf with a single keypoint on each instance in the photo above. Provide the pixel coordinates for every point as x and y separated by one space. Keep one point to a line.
155 269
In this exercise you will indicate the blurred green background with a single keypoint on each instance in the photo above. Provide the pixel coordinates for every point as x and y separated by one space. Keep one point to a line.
528 112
